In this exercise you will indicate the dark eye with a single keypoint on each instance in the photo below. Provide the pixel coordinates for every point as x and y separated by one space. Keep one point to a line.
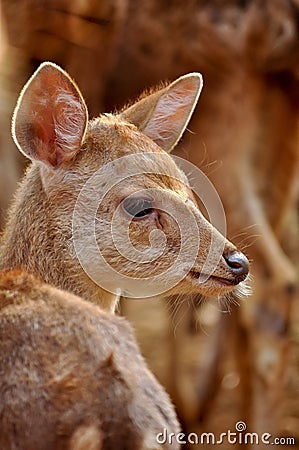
137 207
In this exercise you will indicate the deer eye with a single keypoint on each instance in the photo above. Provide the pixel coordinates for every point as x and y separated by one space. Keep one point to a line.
137 207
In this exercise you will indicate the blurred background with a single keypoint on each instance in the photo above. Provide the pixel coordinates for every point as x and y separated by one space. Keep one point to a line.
221 362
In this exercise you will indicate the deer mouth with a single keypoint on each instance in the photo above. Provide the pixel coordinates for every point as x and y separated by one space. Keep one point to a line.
204 278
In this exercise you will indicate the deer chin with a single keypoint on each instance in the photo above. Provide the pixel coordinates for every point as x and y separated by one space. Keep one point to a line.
211 285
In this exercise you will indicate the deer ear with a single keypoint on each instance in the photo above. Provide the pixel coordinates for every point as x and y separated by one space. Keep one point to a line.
164 115
50 118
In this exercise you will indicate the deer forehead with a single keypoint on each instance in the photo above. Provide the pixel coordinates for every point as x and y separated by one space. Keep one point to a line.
109 139
114 149
111 134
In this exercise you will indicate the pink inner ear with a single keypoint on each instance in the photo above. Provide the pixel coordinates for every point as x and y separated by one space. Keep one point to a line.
51 117
44 136
172 112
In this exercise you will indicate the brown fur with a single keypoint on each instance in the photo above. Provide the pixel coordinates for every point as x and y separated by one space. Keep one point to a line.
72 376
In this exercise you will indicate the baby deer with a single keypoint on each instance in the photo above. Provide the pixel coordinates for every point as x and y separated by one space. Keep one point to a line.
71 375
113 171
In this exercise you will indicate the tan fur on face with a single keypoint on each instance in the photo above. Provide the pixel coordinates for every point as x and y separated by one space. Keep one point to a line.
38 236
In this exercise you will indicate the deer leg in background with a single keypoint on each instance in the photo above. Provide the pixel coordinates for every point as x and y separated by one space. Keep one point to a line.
229 333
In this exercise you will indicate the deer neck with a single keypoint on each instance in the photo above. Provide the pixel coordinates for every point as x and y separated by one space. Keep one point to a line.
38 238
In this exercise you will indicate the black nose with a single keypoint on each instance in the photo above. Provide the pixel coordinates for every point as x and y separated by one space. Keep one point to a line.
238 264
